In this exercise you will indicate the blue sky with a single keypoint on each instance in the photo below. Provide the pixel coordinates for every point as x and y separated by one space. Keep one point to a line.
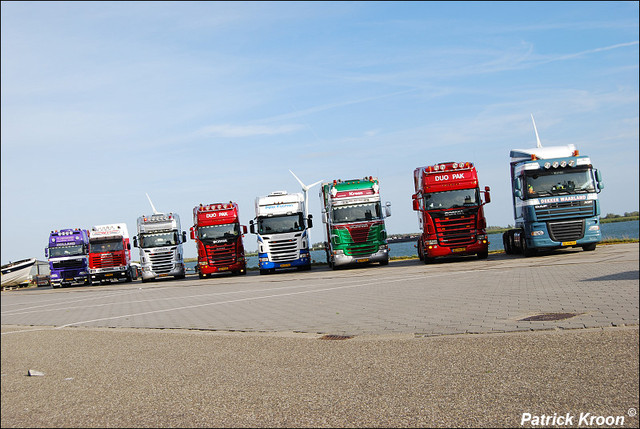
203 102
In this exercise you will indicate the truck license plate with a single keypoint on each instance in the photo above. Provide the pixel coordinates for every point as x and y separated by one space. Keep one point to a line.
223 268
163 275
458 249
569 243
107 275
362 260
285 265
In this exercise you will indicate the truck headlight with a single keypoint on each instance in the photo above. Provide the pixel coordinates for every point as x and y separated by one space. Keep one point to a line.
432 242
537 233
594 228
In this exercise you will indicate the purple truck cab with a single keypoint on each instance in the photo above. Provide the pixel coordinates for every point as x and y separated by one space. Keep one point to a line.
68 254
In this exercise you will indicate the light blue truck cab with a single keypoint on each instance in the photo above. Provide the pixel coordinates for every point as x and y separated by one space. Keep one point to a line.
555 200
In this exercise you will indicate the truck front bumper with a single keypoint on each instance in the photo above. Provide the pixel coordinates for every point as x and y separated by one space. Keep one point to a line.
264 264
538 236
340 259
434 251
178 271
70 279
115 273
211 269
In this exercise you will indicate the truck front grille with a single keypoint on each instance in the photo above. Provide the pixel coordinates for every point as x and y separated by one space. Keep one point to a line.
106 260
566 231
455 231
284 250
564 210
221 254
362 242
161 262
69 263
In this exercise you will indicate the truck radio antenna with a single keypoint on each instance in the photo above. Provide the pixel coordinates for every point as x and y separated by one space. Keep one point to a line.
152 206
305 188
536 130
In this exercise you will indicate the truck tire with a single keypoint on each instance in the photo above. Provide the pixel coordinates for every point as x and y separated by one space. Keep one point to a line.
483 255
589 247
262 271
526 251
420 254
384 262
506 243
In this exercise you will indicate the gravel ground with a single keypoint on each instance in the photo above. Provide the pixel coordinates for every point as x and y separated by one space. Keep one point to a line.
96 377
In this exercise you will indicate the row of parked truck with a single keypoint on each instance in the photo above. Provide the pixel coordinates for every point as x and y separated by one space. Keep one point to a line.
555 203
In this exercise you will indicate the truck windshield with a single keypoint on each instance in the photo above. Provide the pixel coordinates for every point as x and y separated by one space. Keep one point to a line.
219 232
56 252
451 199
558 182
158 239
357 212
280 224
106 246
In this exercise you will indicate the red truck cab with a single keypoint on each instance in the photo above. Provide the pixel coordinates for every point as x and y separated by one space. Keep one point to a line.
450 211
218 236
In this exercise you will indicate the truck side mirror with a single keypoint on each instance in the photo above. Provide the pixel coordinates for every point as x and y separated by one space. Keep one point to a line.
46 252
252 227
387 209
244 229
416 203
184 236
192 230
128 246
599 179
135 241
310 221
324 217
518 188
487 195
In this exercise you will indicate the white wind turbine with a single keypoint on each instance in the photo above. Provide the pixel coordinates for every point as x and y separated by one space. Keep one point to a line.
305 188
152 206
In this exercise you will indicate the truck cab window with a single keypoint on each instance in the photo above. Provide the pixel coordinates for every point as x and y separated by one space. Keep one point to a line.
159 239
356 212
219 232
451 199
280 224
559 182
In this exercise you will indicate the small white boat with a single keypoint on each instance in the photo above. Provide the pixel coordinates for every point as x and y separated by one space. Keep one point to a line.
16 273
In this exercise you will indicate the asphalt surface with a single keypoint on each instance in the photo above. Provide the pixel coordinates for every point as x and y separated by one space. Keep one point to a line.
166 356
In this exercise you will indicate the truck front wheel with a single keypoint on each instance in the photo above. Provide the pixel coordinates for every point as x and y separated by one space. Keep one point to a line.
506 243
526 251
420 253
589 247
483 255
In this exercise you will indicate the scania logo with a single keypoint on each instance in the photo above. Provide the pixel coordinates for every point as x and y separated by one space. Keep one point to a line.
359 226
454 213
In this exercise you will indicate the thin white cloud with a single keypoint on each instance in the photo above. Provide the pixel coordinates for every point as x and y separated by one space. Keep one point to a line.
233 131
